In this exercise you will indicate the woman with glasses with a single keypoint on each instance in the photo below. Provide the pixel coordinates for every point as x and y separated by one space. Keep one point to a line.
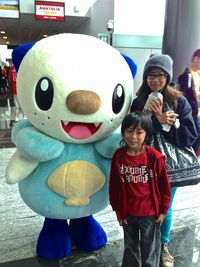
171 109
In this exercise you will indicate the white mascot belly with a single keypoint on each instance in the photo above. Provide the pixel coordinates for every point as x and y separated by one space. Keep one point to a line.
74 90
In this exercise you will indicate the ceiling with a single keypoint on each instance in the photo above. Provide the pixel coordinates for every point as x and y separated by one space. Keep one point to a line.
27 29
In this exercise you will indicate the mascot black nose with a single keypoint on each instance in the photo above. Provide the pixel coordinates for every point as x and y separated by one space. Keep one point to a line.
83 102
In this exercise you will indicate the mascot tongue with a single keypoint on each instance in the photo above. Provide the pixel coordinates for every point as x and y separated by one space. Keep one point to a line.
80 130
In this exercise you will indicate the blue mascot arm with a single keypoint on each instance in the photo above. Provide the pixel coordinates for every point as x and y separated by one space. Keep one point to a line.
34 145
107 146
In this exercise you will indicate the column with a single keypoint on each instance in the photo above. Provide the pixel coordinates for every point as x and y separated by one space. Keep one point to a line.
181 32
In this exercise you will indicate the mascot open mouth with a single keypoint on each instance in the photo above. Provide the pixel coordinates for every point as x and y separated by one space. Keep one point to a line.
80 130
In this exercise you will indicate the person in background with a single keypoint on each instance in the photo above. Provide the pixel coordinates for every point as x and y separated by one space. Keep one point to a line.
4 80
189 84
157 76
12 76
139 192
1 80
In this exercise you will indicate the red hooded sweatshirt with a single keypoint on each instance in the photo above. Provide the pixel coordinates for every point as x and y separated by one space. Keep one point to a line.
149 183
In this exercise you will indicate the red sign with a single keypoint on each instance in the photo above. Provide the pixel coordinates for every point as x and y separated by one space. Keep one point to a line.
49 10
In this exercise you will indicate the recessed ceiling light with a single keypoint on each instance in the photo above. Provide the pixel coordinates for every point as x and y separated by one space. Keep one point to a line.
5 37
45 35
7 42
2 32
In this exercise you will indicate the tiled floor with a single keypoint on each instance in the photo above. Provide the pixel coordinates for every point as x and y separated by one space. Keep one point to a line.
19 227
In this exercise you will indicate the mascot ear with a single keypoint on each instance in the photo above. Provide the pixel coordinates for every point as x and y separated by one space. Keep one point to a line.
19 53
132 65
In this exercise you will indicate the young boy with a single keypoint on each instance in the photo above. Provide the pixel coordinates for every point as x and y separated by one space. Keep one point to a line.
139 192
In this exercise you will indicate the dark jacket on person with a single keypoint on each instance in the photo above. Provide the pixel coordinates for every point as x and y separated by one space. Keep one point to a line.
186 133
186 85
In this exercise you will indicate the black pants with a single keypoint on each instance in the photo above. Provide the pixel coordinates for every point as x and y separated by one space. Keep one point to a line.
141 242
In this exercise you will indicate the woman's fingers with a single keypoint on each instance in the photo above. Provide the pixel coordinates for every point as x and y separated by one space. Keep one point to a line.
156 106
171 117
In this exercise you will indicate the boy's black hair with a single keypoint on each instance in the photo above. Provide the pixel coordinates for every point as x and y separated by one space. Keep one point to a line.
138 119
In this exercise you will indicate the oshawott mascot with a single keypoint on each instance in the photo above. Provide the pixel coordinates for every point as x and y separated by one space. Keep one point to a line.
74 90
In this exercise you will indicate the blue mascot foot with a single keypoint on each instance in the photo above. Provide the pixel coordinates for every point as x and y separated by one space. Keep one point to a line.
54 239
87 233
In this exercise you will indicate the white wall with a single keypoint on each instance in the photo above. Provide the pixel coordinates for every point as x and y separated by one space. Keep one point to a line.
4 54
143 17
100 13
138 30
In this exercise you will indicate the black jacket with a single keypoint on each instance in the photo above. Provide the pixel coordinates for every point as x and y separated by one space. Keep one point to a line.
186 134
186 85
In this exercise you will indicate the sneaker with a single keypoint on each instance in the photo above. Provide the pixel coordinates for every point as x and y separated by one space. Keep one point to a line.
166 259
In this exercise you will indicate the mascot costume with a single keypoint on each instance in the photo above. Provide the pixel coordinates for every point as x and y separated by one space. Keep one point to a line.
74 90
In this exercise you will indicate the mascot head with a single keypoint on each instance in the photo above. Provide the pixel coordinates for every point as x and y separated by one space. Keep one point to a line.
73 87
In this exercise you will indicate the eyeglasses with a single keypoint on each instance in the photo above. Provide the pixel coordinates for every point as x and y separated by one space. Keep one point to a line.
160 77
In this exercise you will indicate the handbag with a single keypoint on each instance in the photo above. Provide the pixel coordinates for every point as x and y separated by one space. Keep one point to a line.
181 162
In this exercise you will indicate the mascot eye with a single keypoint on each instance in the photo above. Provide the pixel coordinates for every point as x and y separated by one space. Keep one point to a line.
44 93
118 99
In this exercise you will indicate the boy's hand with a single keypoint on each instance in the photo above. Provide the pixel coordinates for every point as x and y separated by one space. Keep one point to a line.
121 222
160 218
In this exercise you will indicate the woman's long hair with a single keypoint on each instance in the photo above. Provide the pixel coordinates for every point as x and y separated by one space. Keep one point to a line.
169 95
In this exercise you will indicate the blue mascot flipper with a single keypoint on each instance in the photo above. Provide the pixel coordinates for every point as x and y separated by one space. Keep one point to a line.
35 145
